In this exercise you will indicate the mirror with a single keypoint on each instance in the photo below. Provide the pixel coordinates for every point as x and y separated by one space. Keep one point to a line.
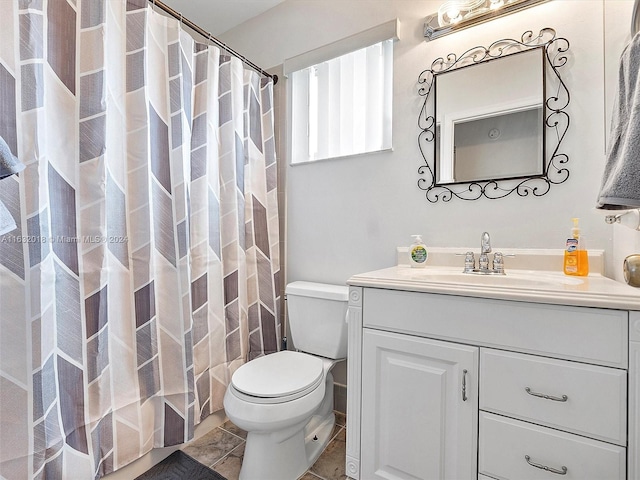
497 133
488 134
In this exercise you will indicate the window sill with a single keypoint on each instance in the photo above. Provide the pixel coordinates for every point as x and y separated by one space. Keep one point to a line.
342 157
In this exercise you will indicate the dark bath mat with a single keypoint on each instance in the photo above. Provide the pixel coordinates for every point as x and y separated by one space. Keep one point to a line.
180 466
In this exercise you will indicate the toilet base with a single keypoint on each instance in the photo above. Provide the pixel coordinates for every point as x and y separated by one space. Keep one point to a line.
286 454
322 434
266 459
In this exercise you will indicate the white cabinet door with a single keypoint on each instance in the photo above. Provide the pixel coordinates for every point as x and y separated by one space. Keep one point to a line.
419 408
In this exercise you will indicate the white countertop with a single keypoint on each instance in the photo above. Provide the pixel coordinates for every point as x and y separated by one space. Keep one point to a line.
554 287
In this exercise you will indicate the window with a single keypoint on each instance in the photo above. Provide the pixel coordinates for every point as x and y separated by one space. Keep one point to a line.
341 105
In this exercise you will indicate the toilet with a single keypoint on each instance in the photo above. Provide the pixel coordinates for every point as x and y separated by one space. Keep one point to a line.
285 400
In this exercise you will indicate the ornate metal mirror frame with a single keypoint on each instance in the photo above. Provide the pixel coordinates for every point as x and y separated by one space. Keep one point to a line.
556 122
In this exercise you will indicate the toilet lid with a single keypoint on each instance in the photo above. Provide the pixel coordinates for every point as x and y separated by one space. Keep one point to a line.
280 374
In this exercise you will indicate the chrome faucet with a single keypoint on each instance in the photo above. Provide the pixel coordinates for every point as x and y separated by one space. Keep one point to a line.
485 248
485 243
497 266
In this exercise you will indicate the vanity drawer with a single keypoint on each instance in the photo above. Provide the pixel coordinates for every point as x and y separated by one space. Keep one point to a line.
537 328
504 443
596 397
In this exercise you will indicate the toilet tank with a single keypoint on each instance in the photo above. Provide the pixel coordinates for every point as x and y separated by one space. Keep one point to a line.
317 318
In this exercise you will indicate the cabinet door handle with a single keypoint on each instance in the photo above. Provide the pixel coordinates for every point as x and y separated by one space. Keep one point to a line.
464 385
562 471
563 398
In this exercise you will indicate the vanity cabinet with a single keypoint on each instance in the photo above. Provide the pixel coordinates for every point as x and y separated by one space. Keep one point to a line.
437 382
551 390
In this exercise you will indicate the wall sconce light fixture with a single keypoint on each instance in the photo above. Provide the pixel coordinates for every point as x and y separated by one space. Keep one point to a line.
455 15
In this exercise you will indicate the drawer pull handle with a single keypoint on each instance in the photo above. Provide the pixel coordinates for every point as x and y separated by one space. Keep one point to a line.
464 385
562 471
563 398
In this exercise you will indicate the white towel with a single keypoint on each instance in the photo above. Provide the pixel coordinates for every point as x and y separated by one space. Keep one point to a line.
9 164
7 223
620 188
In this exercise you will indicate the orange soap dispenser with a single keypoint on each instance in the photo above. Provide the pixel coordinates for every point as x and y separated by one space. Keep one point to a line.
576 259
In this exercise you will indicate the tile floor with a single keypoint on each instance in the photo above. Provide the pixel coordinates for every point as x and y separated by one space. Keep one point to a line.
222 450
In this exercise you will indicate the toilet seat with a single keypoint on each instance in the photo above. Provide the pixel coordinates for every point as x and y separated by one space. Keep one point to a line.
277 378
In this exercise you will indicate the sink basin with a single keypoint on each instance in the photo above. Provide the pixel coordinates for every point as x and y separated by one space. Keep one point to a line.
513 279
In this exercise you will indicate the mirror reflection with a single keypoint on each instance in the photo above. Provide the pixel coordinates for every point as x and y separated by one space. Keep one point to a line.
490 118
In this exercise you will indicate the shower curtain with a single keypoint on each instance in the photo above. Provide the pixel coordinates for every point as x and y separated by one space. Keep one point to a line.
145 266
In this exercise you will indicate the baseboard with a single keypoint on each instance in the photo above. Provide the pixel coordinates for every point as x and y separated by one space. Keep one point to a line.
340 398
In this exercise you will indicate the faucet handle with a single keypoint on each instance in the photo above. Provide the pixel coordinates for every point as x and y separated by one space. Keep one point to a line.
498 261
469 261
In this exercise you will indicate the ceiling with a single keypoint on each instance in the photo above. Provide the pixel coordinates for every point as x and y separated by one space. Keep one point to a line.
218 16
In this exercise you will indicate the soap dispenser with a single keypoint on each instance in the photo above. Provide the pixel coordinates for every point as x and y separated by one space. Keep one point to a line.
418 252
576 258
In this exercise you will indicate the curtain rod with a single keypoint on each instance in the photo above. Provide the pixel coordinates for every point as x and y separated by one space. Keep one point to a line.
178 16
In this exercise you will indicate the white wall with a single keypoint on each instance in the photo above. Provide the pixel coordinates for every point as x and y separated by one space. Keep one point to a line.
347 216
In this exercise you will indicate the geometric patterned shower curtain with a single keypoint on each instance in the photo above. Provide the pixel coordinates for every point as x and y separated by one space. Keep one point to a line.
145 266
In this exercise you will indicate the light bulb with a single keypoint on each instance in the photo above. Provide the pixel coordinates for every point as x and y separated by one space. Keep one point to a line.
454 11
454 14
